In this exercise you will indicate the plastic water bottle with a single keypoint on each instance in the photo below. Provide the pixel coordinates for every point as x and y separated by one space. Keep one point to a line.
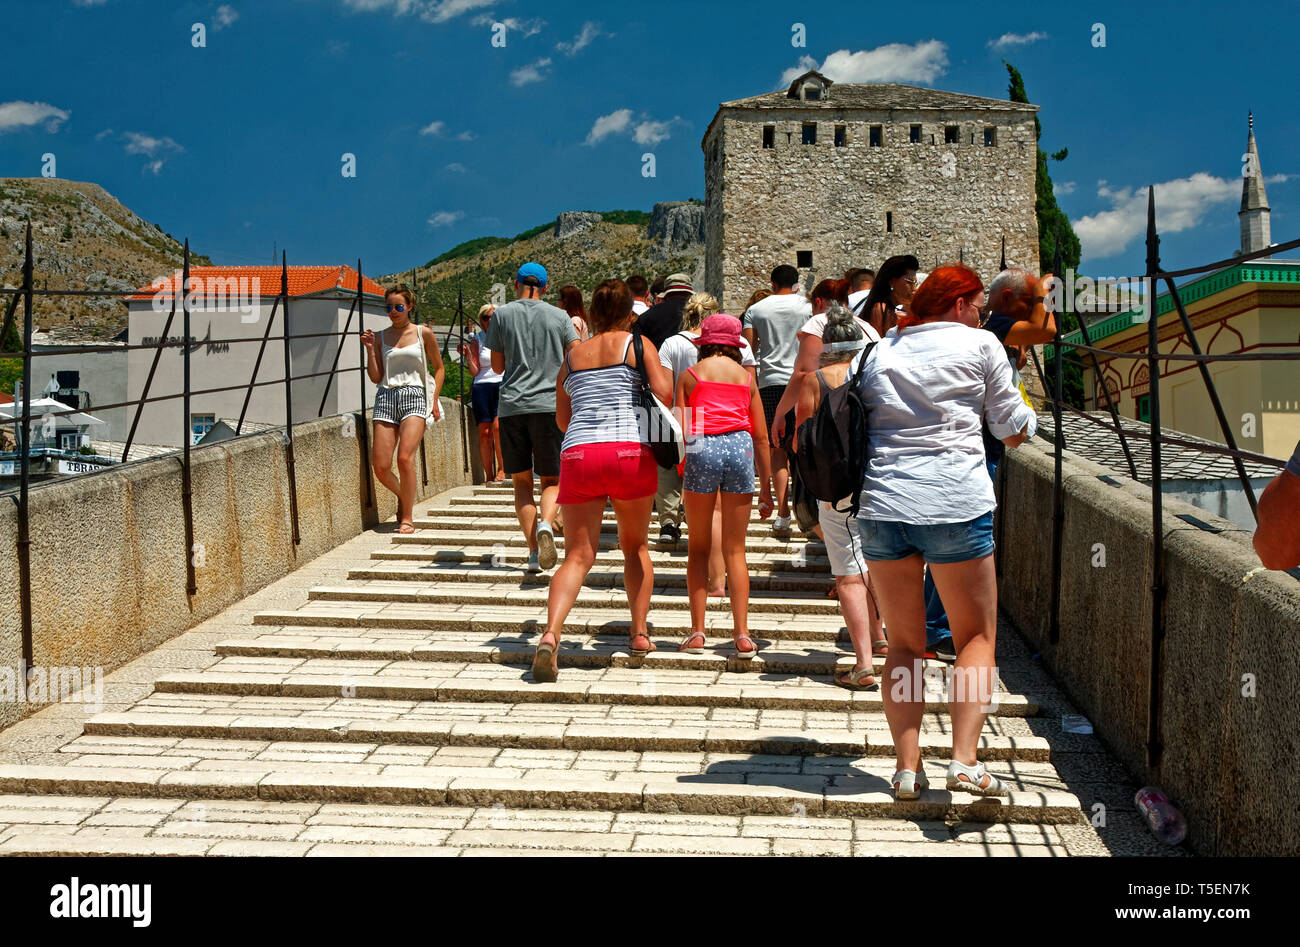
1166 822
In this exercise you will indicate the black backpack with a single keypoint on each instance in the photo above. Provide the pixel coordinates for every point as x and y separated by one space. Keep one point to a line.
832 457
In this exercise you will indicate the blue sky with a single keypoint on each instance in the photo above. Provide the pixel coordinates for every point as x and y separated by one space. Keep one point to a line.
238 144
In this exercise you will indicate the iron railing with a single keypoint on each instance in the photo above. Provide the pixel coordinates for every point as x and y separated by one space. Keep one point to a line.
28 292
1154 276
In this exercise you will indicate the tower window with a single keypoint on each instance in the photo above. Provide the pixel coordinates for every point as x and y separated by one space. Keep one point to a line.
803 259
841 136
914 134
769 136
877 136
810 133
889 221
812 93
951 135
990 137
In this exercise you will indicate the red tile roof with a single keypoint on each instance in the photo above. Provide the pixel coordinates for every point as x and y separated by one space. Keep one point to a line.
303 280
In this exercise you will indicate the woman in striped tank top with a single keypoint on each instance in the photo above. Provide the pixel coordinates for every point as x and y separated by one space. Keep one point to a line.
603 458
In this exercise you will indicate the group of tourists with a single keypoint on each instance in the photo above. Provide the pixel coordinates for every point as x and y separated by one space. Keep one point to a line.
929 362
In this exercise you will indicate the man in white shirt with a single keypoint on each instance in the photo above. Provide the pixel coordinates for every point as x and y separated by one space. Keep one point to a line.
640 293
485 396
771 327
860 283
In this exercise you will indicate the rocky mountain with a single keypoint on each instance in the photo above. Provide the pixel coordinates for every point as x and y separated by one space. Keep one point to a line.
580 248
82 238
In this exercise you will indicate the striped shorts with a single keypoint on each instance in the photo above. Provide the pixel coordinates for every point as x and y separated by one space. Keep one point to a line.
395 405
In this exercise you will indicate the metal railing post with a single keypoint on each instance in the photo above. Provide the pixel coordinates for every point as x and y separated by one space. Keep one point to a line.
148 381
288 401
257 365
1058 475
1155 746
24 445
363 432
464 417
187 497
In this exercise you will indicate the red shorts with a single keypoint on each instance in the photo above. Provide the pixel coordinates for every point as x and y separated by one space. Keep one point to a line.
620 470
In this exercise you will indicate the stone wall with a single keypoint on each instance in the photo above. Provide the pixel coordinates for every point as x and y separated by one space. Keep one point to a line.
108 549
1229 758
946 200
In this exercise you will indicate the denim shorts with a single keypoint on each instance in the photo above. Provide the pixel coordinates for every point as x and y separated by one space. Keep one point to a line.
939 543
720 462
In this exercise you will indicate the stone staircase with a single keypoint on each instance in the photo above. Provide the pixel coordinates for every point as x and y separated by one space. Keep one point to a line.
393 712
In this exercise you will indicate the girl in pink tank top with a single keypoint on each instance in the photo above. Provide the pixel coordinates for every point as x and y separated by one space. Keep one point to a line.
718 402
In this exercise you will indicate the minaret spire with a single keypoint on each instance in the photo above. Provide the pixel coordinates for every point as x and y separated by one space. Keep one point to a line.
1254 214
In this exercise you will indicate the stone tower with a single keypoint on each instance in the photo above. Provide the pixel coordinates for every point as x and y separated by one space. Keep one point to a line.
826 176
1255 231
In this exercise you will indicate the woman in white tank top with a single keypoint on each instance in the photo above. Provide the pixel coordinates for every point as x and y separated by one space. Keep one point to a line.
404 401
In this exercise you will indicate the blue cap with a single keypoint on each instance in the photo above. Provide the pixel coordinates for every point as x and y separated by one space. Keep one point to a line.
535 270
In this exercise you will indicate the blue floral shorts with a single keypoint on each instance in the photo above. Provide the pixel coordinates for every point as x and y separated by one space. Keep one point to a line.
720 462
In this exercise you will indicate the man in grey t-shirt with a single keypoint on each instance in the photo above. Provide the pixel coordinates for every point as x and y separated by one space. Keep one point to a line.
771 326
528 339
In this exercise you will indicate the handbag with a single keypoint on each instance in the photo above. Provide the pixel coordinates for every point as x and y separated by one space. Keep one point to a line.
661 431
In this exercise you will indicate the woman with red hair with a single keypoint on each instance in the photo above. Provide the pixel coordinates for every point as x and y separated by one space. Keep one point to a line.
927 499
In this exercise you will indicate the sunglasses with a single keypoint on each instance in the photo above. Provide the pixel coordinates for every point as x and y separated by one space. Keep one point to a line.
398 308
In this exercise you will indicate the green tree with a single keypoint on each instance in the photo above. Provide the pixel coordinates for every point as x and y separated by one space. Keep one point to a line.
1053 225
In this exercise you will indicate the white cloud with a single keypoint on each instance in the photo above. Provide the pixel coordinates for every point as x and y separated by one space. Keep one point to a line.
651 132
337 47
615 123
15 115
590 31
512 24
1008 40
645 130
456 168
1063 187
445 218
431 11
534 72
89 3
157 150
895 62
450 9
466 136
1180 205
224 16
104 134
438 129
433 128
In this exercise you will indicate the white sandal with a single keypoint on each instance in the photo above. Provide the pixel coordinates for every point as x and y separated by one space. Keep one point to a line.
909 784
974 778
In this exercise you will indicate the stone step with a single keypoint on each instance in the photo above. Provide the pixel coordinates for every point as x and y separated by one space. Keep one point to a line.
419 681
468 537
667 627
514 557
778 659
607 736
129 826
866 796
390 590
596 578
503 517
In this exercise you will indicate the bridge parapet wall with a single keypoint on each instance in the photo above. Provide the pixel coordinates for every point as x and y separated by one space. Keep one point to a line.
1230 661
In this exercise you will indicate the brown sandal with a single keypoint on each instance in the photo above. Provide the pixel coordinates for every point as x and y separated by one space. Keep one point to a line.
853 679
640 652
880 647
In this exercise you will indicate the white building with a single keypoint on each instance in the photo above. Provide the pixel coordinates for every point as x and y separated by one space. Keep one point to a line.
233 303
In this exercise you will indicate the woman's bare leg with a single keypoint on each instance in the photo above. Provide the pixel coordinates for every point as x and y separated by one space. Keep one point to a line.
736 508
633 539
854 606
902 603
383 443
970 593
699 535
409 436
717 566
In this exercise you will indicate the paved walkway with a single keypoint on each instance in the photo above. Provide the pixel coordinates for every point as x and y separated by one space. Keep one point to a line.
379 701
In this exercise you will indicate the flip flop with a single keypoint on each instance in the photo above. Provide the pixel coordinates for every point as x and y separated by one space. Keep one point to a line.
749 653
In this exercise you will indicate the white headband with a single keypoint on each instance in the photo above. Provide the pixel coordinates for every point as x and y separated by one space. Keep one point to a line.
852 345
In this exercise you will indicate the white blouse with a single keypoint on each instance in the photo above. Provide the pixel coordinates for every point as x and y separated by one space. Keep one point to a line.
926 391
